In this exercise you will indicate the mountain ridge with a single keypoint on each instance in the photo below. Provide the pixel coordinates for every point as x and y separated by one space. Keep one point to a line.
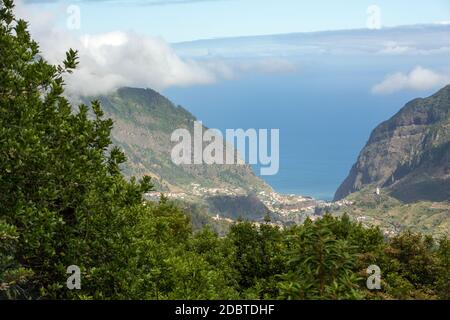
143 122
408 154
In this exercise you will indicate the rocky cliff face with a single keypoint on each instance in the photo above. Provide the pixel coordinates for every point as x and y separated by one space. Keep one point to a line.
409 154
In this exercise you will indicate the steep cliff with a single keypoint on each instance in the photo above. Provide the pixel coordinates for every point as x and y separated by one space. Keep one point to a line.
409 154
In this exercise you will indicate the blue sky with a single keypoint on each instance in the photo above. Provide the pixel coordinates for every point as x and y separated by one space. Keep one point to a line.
200 19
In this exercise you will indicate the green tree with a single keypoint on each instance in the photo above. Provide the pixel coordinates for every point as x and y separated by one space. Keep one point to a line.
321 265
411 265
443 285
63 200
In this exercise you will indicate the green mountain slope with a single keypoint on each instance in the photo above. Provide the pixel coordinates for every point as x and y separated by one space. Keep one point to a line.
143 123
407 155
394 216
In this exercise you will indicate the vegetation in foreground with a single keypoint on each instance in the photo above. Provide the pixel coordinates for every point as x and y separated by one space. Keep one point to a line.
64 201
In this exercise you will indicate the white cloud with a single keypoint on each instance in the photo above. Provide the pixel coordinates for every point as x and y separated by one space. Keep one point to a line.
443 23
116 59
112 60
418 79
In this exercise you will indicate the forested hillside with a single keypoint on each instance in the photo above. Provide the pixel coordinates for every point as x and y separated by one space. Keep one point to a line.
143 123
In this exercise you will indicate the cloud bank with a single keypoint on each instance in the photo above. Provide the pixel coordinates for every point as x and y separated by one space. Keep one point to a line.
413 41
418 79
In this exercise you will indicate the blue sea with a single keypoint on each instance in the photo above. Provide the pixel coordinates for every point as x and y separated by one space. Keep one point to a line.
325 118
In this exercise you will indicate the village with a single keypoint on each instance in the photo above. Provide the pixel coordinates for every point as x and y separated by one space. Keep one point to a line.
287 208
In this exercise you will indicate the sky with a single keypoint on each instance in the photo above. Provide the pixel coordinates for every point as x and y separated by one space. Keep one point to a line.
134 42
187 20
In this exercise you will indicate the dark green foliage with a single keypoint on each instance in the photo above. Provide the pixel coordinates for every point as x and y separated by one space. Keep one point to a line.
414 266
257 258
63 200
443 283
322 264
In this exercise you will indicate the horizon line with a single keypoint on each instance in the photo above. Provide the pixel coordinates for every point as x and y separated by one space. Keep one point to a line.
383 28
